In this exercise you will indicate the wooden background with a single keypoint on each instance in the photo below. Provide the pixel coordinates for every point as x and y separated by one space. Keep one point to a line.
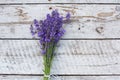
90 49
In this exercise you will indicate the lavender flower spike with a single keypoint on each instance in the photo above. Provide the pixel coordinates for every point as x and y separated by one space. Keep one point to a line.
49 31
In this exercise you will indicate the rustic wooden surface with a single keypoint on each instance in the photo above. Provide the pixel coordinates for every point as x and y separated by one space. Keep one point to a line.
90 49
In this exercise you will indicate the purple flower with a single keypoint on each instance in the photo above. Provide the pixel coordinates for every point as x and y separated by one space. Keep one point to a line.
43 51
68 16
49 30
32 30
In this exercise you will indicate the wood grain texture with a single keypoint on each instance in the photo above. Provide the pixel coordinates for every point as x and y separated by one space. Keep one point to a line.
61 78
72 57
61 1
88 21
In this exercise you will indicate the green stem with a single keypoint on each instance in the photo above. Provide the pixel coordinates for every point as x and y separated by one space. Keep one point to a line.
48 57
47 72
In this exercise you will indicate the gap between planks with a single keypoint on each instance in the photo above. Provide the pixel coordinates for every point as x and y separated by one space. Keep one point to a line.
61 78
62 39
61 74
59 3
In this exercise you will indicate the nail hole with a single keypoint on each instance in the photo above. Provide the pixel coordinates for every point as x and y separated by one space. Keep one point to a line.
78 28
50 8
99 29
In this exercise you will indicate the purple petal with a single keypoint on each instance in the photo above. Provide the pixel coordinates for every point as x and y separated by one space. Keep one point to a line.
43 51
68 16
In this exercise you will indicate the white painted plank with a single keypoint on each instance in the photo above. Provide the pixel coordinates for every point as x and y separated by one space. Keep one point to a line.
61 1
72 57
23 13
88 21
61 78
90 30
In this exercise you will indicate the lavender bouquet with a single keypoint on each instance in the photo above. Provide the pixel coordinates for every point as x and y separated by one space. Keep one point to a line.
49 31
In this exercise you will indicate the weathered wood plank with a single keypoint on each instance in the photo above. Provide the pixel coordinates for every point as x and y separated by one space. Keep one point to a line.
73 30
61 77
61 1
72 57
88 21
23 13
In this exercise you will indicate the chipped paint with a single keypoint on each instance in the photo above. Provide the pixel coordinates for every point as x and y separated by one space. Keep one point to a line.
100 30
22 14
105 14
